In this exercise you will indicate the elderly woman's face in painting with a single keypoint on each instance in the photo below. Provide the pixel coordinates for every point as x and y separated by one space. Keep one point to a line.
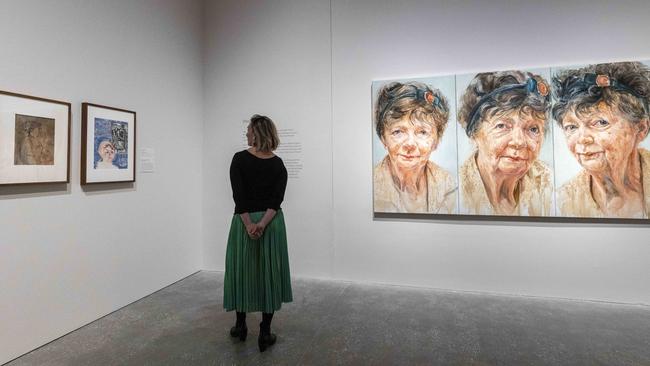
409 142
106 151
602 138
510 141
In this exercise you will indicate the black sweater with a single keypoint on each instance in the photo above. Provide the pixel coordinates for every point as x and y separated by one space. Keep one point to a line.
257 184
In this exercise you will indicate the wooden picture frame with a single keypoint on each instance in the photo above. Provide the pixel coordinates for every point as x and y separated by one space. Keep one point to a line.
34 139
107 144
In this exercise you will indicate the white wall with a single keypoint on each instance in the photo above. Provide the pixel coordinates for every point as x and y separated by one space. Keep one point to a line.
260 64
384 39
272 58
67 255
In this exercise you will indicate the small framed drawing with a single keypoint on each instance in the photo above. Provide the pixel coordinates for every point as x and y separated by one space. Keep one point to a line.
107 144
34 140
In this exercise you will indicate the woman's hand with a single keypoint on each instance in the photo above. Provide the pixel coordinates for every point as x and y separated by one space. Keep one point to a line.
253 231
250 226
261 225
256 229
259 230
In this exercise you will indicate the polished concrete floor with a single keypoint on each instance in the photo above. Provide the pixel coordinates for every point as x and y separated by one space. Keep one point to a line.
340 323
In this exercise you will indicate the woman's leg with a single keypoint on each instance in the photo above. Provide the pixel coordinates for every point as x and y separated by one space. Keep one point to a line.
241 319
240 330
266 338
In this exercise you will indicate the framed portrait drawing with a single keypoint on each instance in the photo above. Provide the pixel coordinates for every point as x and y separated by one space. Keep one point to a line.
34 140
107 144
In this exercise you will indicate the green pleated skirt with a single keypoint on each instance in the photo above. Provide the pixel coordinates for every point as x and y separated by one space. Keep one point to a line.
257 271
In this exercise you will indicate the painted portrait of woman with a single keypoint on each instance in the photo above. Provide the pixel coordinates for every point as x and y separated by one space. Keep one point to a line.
106 151
602 113
410 119
505 118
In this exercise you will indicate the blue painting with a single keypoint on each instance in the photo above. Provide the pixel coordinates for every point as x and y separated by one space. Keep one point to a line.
111 144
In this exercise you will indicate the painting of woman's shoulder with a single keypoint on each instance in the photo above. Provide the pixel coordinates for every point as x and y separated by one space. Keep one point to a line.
441 186
575 198
443 190
541 175
536 197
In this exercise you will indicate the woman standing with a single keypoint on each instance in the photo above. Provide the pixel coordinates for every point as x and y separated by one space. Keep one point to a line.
257 263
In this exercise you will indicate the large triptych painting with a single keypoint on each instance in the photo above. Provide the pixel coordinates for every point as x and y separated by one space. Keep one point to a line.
562 142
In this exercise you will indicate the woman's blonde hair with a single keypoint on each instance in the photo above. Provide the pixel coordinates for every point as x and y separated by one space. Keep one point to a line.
265 135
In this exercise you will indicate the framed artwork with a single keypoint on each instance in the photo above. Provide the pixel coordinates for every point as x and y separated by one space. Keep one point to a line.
107 144
543 142
34 140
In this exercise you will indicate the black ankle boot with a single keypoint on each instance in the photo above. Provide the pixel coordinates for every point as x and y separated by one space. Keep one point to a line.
266 338
240 330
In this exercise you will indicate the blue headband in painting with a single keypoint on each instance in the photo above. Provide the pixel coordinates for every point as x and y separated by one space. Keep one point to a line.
531 85
591 81
423 95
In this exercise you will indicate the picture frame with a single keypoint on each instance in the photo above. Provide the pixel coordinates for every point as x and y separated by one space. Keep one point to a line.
34 139
108 137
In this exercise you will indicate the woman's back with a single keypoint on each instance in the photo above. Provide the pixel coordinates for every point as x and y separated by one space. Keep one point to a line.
257 183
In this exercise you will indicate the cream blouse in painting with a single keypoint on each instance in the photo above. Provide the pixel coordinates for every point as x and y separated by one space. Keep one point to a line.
441 192
575 199
535 191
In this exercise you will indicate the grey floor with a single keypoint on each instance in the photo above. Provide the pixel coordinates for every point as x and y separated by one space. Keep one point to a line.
338 323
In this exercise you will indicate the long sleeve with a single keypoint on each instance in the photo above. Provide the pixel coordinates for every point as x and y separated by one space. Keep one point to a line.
237 183
279 188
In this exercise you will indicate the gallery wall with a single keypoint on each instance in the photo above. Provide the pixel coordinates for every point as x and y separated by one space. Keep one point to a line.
70 255
281 58
573 260
271 58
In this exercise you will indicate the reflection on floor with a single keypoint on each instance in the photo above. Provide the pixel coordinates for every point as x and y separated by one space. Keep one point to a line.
339 323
